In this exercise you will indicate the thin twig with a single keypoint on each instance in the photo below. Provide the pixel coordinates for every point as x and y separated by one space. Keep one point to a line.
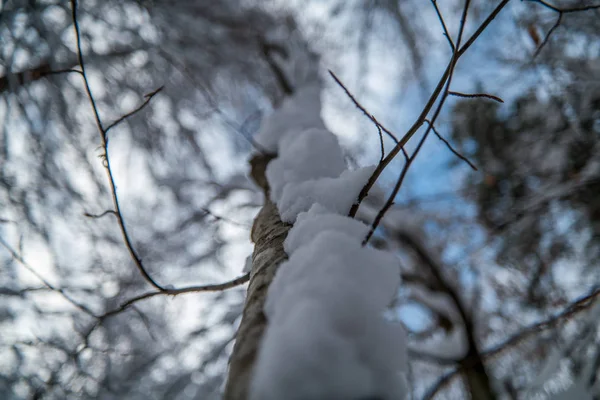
547 37
382 146
361 108
106 160
443 23
174 292
107 212
82 66
580 304
148 97
62 71
4 291
476 95
390 201
405 154
454 151
561 11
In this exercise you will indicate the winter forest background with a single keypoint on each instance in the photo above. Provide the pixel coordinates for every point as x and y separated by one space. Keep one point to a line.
498 264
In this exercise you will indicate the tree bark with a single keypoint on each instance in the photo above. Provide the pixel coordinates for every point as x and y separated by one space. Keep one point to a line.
268 235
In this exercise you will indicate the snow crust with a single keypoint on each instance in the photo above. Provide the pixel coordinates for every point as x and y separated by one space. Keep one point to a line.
319 220
335 194
247 264
297 113
326 337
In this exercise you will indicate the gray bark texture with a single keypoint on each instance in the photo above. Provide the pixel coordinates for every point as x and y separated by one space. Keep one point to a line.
268 234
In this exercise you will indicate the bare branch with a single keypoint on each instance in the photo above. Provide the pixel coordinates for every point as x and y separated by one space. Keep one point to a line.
443 23
216 287
476 95
455 152
410 160
547 37
476 375
390 201
172 292
148 97
581 304
106 159
428 106
561 11
382 147
107 212
361 108
4 291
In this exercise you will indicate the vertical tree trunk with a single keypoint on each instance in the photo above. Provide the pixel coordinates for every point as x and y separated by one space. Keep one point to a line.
268 235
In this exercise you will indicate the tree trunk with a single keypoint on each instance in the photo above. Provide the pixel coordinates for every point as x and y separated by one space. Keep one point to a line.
268 234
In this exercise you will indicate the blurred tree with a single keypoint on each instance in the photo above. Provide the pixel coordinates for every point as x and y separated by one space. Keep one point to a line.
537 193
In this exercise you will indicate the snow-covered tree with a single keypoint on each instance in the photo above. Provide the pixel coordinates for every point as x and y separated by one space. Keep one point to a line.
350 296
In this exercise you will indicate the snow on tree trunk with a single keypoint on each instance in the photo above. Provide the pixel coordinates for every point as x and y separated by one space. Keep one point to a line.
326 337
